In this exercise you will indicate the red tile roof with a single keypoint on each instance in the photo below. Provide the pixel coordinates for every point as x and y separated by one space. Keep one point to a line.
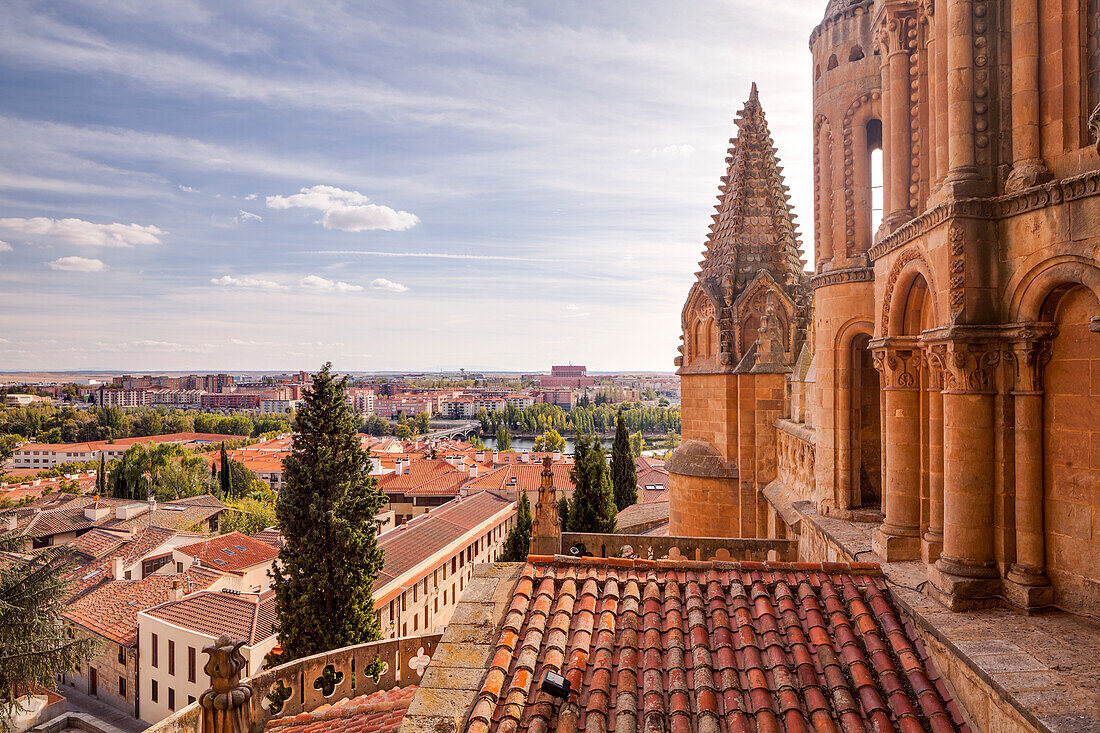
250 617
699 646
379 712
99 445
111 609
96 543
416 541
230 553
429 477
640 518
525 476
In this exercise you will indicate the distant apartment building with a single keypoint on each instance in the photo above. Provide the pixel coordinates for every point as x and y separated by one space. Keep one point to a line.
562 397
122 397
216 382
573 377
175 397
361 400
390 407
48 455
277 407
230 401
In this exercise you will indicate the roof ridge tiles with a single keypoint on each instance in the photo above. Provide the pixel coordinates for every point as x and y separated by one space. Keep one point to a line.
859 569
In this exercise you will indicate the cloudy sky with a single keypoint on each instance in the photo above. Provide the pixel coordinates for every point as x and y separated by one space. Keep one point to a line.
388 185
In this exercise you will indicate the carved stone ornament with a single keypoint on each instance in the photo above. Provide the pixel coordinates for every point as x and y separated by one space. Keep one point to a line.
971 366
1094 126
225 706
1030 357
900 367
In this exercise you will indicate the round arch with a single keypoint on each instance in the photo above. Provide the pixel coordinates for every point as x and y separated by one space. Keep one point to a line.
1030 294
909 265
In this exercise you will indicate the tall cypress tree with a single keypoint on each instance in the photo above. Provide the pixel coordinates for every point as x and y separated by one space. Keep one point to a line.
101 476
624 475
226 475
324 579
593 506
518 542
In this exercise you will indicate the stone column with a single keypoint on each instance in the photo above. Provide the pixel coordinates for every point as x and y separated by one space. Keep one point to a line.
1028 168
1027 585
940 93
965 575
932 541
925 12
961 159
898 538
897 147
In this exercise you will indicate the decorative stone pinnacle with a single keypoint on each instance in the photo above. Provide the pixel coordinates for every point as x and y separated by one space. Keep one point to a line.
546 525
226 705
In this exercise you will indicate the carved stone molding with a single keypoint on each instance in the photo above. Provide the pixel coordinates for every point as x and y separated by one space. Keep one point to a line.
849 170
899 361
891 282
956 241
1094 126
992 208
840 13
846 275
1029 357
969 366
982 81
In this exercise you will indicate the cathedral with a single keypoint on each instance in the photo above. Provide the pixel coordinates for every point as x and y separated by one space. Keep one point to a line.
934 382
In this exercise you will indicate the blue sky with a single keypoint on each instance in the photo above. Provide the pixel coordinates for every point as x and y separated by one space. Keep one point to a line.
387 185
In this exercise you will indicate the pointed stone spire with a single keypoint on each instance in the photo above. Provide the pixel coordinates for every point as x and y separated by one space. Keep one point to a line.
546 525
754 228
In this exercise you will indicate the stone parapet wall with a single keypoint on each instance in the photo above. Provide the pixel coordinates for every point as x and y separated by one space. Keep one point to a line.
795 452
678 548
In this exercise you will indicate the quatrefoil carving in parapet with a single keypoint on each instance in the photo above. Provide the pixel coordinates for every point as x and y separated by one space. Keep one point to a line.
376 669
277 697
328 680
420 662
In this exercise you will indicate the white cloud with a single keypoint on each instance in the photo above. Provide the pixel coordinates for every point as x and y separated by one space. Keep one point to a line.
432 255
316 282
78 264
250 197
247 281
78 231
668 151
4 341
348 211
571 307
382 283
188 189
246 216
4 246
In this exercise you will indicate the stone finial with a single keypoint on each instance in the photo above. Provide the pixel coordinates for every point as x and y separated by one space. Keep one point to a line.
226 705
546 526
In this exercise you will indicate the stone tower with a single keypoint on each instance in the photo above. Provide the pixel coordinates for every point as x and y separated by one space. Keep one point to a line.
743 323
546 524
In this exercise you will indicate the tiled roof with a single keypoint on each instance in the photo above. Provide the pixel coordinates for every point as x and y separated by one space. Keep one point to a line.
230 553
379 712
429 477
525 476
270 536
414 542
96 543
638 518
181 514
83 577
698 646
99 445
249 616
111 609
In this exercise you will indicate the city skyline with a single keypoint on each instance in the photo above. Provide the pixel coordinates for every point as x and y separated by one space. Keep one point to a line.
190 188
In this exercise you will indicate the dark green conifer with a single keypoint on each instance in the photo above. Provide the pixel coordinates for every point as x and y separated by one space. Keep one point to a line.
226 475
624 475
593 506
101 476
324 579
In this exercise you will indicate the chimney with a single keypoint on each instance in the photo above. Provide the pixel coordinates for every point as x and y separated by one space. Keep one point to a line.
556 456
116 568
176 591
11 522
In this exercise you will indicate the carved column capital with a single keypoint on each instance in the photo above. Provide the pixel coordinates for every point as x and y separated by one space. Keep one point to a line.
1030 353
934 363
899 360
892 34
970 366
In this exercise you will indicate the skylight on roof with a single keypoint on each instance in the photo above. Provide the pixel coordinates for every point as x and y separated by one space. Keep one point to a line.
92 574
220 562
173 508
227 551
239 548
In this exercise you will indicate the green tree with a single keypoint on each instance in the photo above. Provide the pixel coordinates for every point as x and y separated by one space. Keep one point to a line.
518 542
593 506
250 514
421 422
624 475
34 647
563 511
403 432
225 476
550 441
101 475
325 576
503 438
183 477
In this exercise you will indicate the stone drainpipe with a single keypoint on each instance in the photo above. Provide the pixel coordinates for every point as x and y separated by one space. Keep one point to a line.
225 706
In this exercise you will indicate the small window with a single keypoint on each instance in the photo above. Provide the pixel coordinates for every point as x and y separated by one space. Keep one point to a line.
171 657
856 53
190 699
121 655
171 699
154 651
190 664
122 687
155 693
833 63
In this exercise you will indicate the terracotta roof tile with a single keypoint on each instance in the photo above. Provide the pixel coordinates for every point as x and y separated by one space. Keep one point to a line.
230 553
428 477
710 647
379 712
248 616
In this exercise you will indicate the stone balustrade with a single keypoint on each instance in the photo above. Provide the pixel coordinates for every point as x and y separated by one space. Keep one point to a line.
795 456
678 548
305 684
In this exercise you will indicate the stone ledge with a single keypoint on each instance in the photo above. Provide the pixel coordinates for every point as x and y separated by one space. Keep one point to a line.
1009 670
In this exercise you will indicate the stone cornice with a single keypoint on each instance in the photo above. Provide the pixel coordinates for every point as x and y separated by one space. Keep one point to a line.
841 276
834 13
991 208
